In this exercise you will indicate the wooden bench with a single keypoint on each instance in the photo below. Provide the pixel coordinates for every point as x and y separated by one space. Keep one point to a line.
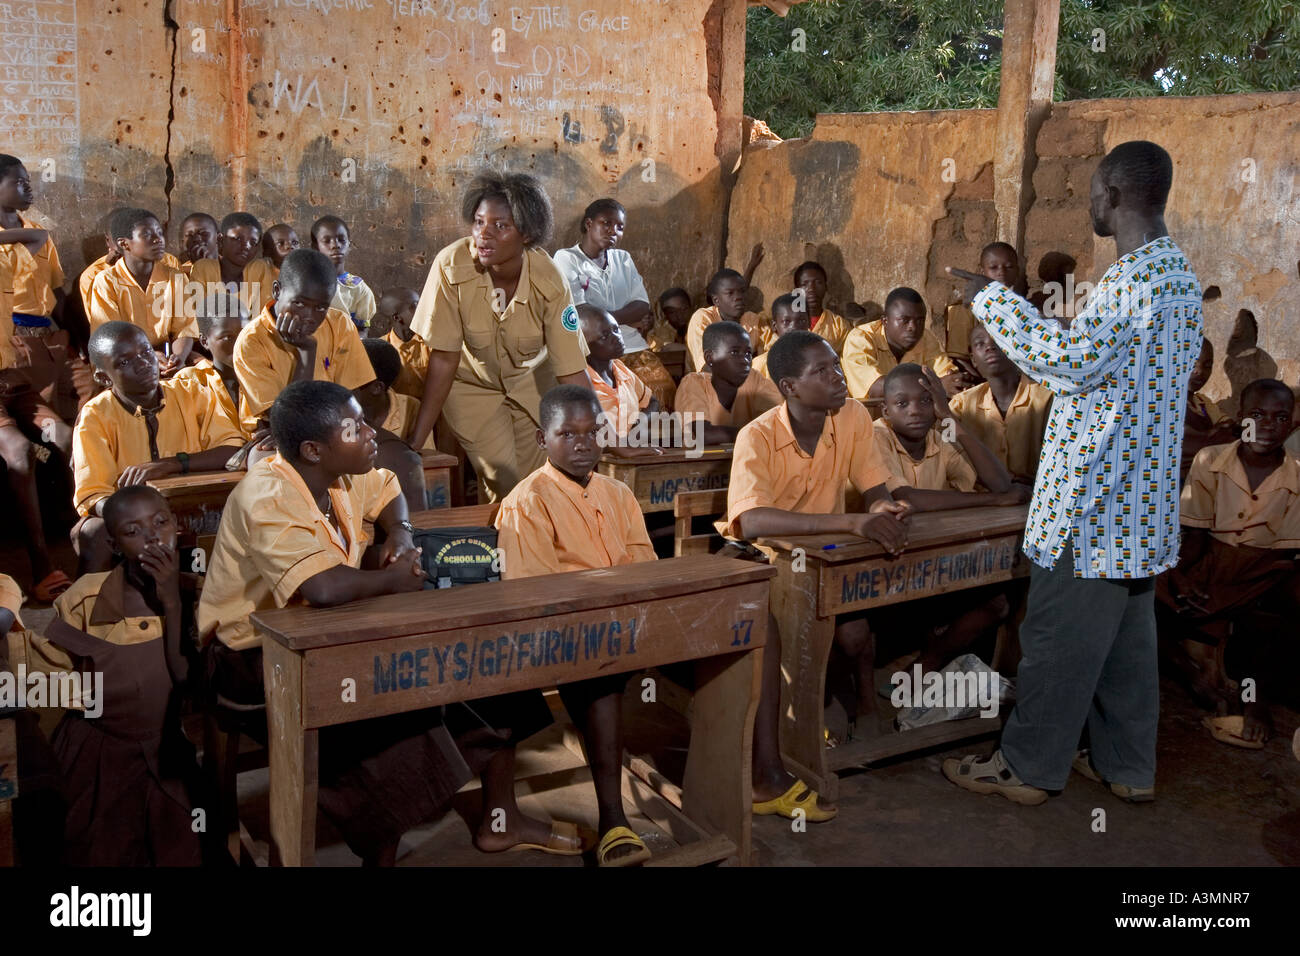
820 576
470 642
687 507
656 480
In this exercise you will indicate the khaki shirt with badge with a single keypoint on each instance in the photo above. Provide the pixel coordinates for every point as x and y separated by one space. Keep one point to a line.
505 352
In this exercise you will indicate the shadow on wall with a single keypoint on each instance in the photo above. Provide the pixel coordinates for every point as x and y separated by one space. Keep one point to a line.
1245 361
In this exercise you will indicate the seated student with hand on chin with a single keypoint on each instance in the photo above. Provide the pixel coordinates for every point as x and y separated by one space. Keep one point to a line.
932 474
564 517
297 337
786 317
788 476
872 350
292 533
239 240
729 394
142 427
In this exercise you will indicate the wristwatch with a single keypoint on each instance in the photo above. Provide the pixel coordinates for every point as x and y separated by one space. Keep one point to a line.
410 528
184 459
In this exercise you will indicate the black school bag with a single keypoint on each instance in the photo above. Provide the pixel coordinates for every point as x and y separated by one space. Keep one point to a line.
456 556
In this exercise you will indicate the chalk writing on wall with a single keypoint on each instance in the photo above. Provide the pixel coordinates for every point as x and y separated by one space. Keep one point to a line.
39 107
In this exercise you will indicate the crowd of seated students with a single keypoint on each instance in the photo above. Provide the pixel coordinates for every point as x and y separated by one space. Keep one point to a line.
287 366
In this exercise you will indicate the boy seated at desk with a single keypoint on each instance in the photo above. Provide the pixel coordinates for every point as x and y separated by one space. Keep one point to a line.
291 534
787 316
142 289
1007 412
934 474
564 517
297 337
143 427
220 320
395 310
393 418
128 769
200 239
623 396
729 394
872 350
788 475
1240 516
726 294
672 318
278 242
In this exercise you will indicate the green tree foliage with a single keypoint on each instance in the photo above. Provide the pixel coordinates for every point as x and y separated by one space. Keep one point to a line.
872 55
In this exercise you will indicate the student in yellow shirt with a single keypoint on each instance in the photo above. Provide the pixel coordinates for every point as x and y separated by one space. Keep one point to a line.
396 310
501 328
872 350
142 289
278 242
297 337
293 533
564 517
329 234
1008 412
622 395
1240 562
933 474
672 318
220 321
35 270
786 317
730 394
392 415
143 427
200 239
104 262
788 477
238 265
811 277
726 293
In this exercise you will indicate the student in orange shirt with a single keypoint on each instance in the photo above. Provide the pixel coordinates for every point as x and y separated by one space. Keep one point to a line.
278 242
392 323
221 318
238 264
872 350
200 236
564 517
139 289
811 278
330 235
788 476
623 396
392 416
729 394
726 293
786 317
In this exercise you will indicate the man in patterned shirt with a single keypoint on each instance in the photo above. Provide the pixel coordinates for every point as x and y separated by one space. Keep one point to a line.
1104 517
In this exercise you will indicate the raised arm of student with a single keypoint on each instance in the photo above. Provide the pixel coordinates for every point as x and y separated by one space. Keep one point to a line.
1068 361
989 469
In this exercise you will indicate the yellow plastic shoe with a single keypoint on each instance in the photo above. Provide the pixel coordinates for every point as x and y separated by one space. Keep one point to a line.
617 837
788 802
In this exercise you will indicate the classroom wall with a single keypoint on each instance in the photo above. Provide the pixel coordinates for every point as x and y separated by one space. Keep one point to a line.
378 110
1233 207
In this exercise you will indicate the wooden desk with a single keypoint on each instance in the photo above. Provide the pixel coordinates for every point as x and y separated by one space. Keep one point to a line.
656 479
674 358
437 478
197 500
409 651
947 551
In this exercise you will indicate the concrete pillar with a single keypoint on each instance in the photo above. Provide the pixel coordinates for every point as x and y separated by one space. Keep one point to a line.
1024 100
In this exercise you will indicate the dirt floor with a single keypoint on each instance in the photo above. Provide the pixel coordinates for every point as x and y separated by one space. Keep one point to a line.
1216 806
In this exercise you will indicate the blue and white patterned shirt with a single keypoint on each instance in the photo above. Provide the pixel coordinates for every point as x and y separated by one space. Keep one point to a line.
1108 473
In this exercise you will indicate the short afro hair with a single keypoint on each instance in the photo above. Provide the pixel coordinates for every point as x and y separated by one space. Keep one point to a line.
903 294
306 270
218 304
899 372
8 164
386 360
530 207
561 398
1141 171
788 356
607 204
719 332
721 276
1006 247
786 301
203 215
236 219
105 338
328 220
803 267
306 411
125 220
676 292
1266 386
118 501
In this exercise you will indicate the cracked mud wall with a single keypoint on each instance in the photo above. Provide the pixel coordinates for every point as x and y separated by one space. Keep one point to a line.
379 111
866 194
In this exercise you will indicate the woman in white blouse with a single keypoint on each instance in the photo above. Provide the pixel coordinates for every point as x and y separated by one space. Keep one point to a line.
601 274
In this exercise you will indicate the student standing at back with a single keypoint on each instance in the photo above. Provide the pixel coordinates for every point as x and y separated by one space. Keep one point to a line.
329 234
811 278
501 328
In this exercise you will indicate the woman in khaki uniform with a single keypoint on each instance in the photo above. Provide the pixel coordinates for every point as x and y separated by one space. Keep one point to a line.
501 328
